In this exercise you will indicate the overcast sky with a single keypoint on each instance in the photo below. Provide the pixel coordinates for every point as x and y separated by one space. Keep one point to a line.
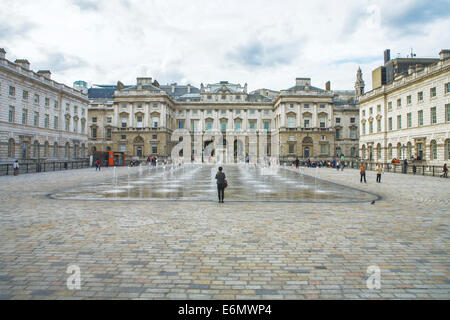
264 43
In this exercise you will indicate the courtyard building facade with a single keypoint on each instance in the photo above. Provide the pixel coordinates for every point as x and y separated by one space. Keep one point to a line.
224 121
40 119
409 118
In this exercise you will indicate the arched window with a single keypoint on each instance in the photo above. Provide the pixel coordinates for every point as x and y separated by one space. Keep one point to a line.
66 151
433 150
11 147
447 149
45 154
36 149
55 149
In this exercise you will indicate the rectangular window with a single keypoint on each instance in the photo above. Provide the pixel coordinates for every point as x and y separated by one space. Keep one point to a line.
47 102
36 98
155 122
155 137
433 115
447 87
291 148
238 97
322 122
364 129
408 100
238 111
24 116
94 119
67 107
370 127
139 121
55 123
266 112
209 125
94 133
370 110
306 122
338 133
399 102
181 124
12 91
291 122
420 96
25 95
11 114
379 108
123 137
433 92
154 148
108 134
306 106
389 105
390 124
352 134
223 111
420 116
322 106
447 112
155 105
36 119
194 111
124 122
266 125
55 104
108 119
379 125
291 106
124 105
338 120
252 111
123 148
409 120
352 120
194 125
252 125
399 122
47 121
139 106
66 124
323 149
238 126
208 111
75 109
223 125
209 97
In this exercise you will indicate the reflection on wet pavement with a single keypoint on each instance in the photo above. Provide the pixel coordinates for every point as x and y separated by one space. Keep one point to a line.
197 183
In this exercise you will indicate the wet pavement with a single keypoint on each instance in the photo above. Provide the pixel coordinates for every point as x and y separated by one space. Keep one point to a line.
197 183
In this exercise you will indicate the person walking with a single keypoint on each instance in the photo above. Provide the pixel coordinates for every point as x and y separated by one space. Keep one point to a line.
342 162
98 165
221 184
444 171
379 171
362 171
16 167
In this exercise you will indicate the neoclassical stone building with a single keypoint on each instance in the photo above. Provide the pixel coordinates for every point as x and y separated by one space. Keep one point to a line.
302 121
40 119
408 117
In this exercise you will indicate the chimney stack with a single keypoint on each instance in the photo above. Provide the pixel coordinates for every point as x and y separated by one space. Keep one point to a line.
444 54
23 63
172 87
188 88
328 86
2 53
387 55
46 73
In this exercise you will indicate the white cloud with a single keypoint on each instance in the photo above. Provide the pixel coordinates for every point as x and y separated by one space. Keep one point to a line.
264 43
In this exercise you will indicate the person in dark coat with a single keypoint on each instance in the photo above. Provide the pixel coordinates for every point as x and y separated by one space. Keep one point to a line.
220 177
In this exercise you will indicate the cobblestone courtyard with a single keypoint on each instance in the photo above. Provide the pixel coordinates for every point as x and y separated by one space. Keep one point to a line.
237 250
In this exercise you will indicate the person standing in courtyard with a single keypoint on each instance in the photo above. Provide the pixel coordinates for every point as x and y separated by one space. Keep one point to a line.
362 171
445 171
16 167
342 162
98 165
379 171
221 184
